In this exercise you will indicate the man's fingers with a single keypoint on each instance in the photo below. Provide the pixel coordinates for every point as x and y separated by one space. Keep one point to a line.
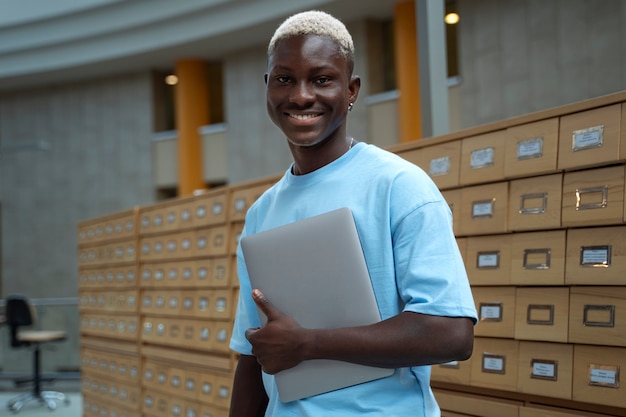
264 304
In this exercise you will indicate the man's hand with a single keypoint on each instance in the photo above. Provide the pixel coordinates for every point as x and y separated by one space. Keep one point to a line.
279 344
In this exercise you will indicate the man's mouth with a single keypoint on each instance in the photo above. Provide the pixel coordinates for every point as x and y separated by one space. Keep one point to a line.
304 116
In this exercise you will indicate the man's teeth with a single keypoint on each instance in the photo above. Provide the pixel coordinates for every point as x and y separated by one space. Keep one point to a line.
303 116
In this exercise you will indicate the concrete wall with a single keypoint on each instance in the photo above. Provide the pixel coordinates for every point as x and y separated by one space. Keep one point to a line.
518 57
68 153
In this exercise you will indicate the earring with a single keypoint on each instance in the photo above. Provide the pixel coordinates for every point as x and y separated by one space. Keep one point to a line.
350 106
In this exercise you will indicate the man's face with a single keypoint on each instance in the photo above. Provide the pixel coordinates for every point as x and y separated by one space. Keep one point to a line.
308 89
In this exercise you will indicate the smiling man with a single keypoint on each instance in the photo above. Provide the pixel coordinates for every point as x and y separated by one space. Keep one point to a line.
405 227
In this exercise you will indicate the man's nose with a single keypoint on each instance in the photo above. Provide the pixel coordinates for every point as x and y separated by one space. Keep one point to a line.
302 93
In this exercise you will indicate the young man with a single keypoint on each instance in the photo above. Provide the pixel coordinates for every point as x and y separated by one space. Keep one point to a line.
405 226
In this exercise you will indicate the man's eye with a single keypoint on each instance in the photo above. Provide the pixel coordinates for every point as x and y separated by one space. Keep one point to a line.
282 79
323 80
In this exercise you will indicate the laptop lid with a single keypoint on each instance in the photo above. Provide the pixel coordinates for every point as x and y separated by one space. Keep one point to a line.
314 271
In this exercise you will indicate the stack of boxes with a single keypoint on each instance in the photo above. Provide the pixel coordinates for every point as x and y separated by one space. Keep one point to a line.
539 213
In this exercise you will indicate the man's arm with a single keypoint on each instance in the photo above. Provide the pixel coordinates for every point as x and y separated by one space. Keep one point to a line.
408 339
248 398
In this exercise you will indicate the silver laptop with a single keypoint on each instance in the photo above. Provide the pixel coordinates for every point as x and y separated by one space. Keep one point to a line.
314 271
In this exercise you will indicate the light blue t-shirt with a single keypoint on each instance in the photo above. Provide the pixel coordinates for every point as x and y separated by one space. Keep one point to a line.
405 227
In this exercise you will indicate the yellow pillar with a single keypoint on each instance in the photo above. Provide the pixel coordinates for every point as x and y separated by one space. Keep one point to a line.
407 72
192 112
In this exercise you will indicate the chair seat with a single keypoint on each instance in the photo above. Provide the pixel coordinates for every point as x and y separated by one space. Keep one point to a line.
40 336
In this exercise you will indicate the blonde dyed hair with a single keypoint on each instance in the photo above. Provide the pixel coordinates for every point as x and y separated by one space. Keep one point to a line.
315 22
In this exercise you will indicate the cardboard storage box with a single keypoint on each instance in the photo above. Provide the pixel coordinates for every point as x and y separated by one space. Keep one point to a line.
593 197
532 148
596 256
542 313
535 203
546 369
482 158
538 258
590 138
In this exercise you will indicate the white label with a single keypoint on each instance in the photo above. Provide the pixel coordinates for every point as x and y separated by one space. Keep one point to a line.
588 138
483 209
530 148
482 158
490 312
493 364
595 257
544 370
603 376
489 260
439 166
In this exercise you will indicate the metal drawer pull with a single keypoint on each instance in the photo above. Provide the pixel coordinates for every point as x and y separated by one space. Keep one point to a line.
530 148
494 364
540 310
544 369
483 208
603 190
530 255
589 138
525 208
595 256
592 320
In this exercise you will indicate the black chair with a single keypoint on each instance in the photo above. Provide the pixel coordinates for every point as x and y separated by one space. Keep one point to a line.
20 312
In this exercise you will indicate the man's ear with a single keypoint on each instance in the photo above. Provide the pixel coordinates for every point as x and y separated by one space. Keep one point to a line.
265 78
354 87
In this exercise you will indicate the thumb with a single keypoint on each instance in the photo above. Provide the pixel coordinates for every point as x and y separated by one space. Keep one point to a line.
264 305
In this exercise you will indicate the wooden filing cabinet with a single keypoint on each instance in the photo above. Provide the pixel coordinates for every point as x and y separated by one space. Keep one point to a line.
598 315
590 138
482 158
166 217
546 369
235 234
542 313
532 148
442 162
488 259
536 410
538 258
108 277
243 195
456 372
535 203
593 197
496 311
495 363
118 226
598 375
210 208
484 209
211 241
596 256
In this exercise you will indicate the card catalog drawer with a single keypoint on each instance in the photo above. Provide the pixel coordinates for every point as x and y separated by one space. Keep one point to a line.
211 241
496 311
494 363
488 259
538 258
596 256
535 203
482 158
209 208
597 375
532 148
590 138
546 411
593 197
545 369
475 405
441 162
484 209
224 385
598 315
242 197
542 313
455 372
453 198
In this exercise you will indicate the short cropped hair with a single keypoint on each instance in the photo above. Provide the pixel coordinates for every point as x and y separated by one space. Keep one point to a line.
315 22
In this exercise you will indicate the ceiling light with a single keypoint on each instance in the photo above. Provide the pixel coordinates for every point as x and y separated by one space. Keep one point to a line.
451 18
171 79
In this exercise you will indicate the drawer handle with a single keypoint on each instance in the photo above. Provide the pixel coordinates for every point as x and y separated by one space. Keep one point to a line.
488 260
530 148
527 209
539 310
482 158
592 137
604 310
528 253
603 375
490 311
544 369
494 364
603 190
